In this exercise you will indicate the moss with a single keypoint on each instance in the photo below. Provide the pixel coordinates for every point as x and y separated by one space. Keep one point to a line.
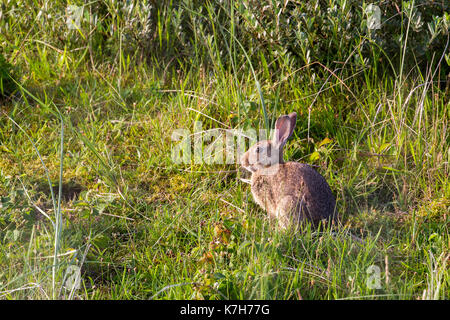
435 208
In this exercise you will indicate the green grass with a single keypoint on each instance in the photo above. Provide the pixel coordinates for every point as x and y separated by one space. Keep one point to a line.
140 226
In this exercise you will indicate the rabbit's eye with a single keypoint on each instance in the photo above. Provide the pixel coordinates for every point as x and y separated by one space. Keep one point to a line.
258 149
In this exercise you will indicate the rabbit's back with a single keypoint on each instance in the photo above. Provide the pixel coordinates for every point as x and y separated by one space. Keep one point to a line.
293 191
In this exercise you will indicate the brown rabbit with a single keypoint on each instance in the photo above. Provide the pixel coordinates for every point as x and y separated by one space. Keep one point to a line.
290 192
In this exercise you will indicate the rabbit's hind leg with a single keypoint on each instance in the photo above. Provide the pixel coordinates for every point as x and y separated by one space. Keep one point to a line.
289 211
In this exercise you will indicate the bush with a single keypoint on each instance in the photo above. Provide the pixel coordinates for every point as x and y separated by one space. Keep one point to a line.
332 32
336 33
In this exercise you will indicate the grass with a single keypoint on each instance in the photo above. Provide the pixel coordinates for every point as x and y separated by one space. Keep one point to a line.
139 226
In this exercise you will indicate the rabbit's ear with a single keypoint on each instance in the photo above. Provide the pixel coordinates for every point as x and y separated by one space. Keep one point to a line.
284 127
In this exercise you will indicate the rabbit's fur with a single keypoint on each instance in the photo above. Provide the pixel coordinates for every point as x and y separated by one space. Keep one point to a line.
290 192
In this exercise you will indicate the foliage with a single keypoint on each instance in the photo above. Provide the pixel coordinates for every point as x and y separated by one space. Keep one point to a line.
333 32
104 84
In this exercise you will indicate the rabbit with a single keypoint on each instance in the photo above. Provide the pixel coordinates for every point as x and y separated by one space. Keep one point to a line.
290 192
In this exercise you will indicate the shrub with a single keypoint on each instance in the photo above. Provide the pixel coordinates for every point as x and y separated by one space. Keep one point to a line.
215 32
334 31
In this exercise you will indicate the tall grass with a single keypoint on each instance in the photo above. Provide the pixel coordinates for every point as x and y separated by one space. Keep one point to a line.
103 99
